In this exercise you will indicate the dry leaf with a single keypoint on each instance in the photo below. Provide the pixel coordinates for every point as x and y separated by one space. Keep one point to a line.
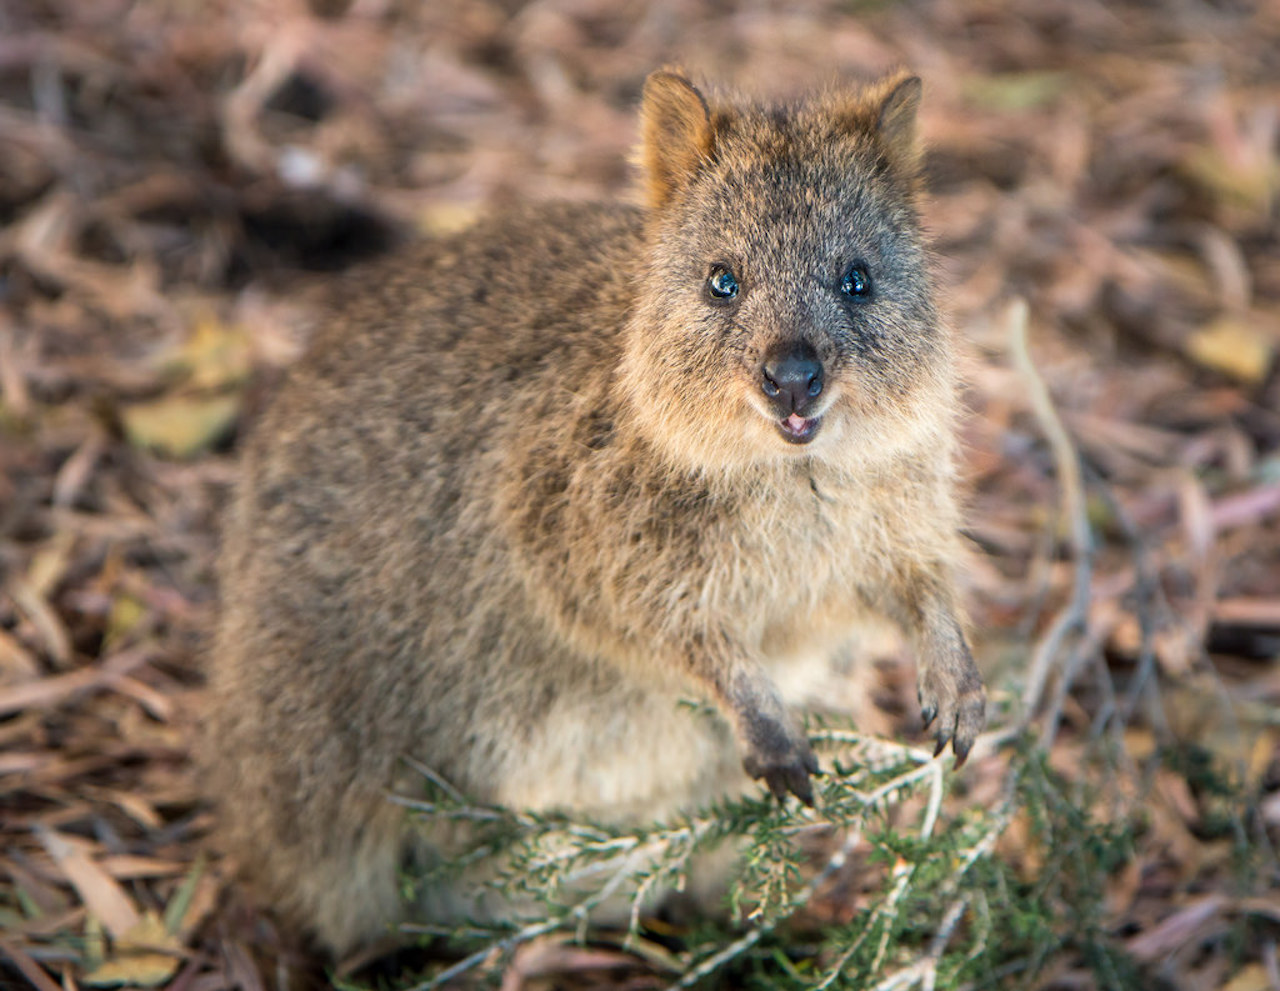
105 898
125 866
53 631
126 613
1140 743
29 969
181 426
203 900
1251 977
50 563
1247 611
447 217
1248 187
53 690
40 897
1234 346
145 956
16 662
214 355
1176 930
557 956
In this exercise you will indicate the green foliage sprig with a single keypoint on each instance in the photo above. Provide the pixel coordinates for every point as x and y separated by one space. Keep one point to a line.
560 873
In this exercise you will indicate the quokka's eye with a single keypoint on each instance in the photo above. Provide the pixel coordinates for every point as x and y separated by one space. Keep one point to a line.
856 282
722 283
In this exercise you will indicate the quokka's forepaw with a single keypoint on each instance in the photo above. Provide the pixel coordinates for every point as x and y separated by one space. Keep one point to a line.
960 711
784 762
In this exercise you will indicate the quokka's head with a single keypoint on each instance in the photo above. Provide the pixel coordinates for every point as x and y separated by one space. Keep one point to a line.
784 303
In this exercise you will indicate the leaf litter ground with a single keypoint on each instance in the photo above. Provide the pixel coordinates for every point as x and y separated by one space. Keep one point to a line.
177 180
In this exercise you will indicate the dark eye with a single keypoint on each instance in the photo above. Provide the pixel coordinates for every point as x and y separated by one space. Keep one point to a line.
856 281
722 284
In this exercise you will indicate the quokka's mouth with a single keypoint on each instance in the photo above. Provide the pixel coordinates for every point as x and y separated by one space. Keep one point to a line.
797 429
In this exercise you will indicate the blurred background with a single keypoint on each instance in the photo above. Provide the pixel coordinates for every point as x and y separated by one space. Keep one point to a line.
178 177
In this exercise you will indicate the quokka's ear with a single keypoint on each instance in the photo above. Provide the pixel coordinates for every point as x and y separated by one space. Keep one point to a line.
886 112
676 135
896 125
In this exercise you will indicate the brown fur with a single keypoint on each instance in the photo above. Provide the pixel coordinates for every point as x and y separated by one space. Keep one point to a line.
525 494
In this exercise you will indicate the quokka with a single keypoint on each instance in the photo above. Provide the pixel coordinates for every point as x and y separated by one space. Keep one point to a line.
537 482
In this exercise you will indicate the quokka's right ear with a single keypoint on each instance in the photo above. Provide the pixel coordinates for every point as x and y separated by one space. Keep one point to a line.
676 135
897 128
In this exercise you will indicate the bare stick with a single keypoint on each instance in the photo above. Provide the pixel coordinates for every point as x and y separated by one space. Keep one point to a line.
1074 616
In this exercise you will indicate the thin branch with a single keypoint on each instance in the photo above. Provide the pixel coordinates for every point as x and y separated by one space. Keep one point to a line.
833 865
888 909
892 750
717 960
485 952
925 970
437 779
475 813
579 913
1074 616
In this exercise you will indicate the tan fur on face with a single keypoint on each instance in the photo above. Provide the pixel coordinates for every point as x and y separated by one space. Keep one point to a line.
791 211
525 495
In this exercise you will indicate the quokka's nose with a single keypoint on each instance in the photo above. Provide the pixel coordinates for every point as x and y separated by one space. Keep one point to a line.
792 378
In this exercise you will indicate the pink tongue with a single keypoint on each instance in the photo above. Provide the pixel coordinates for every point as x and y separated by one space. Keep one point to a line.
795 423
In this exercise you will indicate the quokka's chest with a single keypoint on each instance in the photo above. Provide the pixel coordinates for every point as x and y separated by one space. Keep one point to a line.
798 562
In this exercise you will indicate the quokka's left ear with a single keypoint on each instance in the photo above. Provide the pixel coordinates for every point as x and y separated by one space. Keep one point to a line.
676 135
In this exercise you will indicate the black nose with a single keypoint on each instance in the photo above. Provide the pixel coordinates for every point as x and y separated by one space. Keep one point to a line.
792 378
